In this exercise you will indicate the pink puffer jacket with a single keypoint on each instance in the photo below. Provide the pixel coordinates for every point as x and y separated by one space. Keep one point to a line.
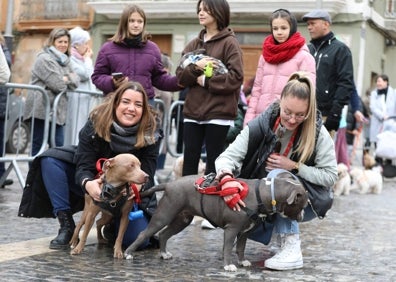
271 78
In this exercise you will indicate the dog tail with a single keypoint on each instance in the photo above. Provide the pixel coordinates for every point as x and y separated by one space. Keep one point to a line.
148 192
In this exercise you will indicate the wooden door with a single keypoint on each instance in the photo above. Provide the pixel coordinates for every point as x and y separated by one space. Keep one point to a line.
164 42
251 55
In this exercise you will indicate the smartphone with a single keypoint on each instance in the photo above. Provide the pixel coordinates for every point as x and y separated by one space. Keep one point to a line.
117 75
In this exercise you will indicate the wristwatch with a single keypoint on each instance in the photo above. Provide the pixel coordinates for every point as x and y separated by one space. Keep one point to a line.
295 168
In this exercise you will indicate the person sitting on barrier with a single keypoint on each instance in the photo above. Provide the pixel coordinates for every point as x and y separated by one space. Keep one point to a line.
289 135
79 104
123 123
5 63
131 53
53 72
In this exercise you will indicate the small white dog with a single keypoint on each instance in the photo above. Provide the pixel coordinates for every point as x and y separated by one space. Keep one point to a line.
343 184
367 180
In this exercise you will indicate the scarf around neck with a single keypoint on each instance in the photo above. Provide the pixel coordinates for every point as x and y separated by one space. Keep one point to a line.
123 139
76 54
134 42
60 57
279 53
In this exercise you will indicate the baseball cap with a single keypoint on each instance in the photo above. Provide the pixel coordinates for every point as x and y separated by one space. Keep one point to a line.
317 14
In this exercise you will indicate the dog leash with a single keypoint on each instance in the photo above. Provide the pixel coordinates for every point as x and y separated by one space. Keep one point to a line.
201 184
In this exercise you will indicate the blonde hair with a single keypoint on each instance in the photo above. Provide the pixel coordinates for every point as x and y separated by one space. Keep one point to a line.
103 115
301 87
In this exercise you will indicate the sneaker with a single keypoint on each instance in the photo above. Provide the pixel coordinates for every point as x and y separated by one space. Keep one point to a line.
207 225
290 257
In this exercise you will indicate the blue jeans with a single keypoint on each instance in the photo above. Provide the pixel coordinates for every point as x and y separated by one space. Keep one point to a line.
281 225
59 181
58 178
38 135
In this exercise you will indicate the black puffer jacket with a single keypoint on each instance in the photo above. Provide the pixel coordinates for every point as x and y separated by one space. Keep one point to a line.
35 200
262 142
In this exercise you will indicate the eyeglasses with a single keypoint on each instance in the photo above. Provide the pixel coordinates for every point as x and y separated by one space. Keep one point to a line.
298 117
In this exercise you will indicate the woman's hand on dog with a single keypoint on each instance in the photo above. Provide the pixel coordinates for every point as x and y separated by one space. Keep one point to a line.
233 184
93 189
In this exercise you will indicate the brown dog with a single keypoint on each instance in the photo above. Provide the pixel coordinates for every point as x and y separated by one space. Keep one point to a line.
119 172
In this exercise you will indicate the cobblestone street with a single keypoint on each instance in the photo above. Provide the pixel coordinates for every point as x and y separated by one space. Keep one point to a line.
356 242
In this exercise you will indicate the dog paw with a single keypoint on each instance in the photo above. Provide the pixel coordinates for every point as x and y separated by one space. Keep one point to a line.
166 255
128 256
230 267
245 263
75 251
118 255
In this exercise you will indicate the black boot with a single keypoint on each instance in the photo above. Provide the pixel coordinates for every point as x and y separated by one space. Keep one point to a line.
65 232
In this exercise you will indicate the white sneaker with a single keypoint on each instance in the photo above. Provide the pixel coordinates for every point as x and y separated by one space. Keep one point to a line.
207 225
290 257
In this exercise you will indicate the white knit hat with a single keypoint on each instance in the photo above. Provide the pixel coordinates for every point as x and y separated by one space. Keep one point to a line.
79 36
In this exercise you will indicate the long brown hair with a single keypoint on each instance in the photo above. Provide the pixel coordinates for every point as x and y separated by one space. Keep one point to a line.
103 115
301 87
122 29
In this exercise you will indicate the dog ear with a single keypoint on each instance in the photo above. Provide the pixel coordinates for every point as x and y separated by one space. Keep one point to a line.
108 164
295 197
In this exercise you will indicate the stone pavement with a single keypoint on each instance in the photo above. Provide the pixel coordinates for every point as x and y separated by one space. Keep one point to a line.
355 242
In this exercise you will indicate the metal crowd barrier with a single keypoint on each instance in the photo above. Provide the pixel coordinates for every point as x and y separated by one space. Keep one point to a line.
80 103
174 134
15 109
72 127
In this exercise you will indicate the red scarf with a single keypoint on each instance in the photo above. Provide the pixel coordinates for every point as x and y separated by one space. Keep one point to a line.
278 53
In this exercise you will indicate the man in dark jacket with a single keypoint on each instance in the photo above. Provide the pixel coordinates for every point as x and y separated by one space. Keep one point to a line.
334 68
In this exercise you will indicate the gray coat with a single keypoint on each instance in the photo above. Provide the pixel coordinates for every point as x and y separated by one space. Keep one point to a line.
48 73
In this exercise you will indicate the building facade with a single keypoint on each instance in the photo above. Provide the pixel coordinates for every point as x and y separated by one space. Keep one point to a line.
368 27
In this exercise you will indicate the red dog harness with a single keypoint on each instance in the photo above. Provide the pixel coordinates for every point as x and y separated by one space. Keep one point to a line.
217 190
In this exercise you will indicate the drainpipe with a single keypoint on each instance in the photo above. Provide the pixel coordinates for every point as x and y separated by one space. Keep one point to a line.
361 59
8 28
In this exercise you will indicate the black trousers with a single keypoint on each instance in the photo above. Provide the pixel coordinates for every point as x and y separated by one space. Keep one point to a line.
195 136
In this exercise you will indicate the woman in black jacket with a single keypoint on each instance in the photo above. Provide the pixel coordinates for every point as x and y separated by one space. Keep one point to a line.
123 123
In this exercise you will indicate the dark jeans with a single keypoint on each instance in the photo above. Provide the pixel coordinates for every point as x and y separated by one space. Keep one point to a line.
38 135
195 136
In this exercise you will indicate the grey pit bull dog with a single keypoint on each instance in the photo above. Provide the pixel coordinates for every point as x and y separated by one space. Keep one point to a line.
118 173
181 202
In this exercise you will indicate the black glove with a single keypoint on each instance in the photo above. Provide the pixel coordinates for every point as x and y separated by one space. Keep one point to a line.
332 122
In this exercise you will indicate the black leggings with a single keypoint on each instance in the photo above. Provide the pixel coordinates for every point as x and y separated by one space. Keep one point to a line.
195 136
